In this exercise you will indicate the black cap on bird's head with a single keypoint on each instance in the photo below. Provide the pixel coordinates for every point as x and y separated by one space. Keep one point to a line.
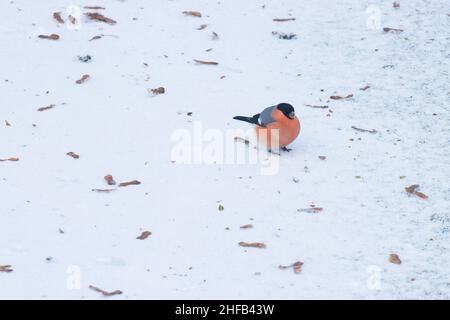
287 110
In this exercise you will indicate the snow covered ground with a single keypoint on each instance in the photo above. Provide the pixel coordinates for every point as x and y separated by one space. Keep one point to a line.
60 237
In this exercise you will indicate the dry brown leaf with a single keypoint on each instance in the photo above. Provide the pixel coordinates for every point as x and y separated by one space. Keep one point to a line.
6 268
341 97
144 235
246 226
99 17
394 258
73 155
83 79
53 36
311 210
7 123
94 8
105 293
104 190
57 17
156 91
252 245
72 19
283 19
192 14
364 130
296 266
129 183
322 157
206 62
364 88
46 108
392 30
413 190
110 180
14 159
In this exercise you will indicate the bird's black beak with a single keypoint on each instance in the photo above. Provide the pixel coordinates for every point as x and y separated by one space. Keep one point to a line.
291 115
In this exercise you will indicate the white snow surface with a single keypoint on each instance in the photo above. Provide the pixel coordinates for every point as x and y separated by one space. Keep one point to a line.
118 128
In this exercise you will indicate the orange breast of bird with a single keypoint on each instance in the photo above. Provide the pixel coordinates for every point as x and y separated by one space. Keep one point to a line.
280 133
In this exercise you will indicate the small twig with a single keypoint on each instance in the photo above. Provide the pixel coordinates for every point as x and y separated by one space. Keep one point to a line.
105 293
364 130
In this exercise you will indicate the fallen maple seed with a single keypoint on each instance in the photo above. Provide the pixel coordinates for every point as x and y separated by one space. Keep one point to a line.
129 183
316 107
99 17
206 62
341 97
7 123
364 88
252 245
246 226
46 108
96 37
144 235
10 159
283 19
297 266
105 293
413 190
392 30
73 155
192 14
83 79
157 91
6 268
57 17
364 130
110 180
53 36
311 210
394 258
322 157
104 190
94 8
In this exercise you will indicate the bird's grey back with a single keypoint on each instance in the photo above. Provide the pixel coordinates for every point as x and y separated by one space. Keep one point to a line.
265 117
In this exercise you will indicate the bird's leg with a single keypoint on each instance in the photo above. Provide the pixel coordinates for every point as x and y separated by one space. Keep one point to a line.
286 149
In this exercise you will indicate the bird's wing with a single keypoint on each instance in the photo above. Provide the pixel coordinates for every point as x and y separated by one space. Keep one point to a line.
265 117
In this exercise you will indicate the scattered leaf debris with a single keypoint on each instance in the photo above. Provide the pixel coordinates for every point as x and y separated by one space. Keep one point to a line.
246 226
259 245
86 58
13 159
105 293
341 97
396 5
129 183
144 235
83 79
95 16
245 141
394 258
73 155
221 207
94 8
96 37
392 30
206 62
103 190
51 106
157 91
284 36
203 26
364 88
192 14
53 36
110 180
6 268
311 210
57 17
215 36
364 130
72 19
295 180
7 123
296 266
283 19
316 107
412 189
322 157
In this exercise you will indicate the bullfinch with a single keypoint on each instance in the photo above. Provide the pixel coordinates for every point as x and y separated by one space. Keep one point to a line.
275 123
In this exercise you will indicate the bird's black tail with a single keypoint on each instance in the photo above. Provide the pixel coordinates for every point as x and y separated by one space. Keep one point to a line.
253 119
